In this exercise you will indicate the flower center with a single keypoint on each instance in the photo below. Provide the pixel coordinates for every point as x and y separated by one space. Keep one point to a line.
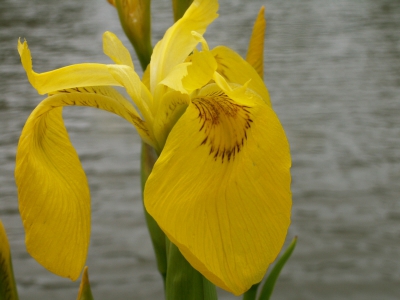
224 124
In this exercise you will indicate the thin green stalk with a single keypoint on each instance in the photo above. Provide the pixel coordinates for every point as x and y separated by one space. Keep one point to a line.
251 294
183 281
148 159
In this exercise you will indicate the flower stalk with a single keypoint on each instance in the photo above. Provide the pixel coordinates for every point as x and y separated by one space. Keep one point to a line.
183 281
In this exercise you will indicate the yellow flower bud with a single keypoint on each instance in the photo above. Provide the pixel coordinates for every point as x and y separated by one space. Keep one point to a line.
136 21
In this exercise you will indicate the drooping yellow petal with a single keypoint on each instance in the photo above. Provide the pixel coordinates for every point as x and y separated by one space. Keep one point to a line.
236 70
80 75
224 174
178 42
53 193
107 98
255 53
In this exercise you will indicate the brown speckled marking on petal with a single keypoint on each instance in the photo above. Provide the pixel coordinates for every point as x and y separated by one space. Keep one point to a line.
224 124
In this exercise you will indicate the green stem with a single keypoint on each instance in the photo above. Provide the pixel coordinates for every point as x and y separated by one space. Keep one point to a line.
183 281
148 159
251 294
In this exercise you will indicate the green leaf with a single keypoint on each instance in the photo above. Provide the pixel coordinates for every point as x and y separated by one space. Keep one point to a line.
85 293
273 276
8 289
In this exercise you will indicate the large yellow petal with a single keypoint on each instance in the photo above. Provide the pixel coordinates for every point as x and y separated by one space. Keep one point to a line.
178 41
236 70
53 192
221 188
54 200
255 53
80 75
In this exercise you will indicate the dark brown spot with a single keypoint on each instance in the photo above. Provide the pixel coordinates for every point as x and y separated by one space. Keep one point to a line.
224 124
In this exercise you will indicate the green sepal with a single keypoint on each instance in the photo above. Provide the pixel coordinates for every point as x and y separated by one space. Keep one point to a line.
148 159
85 292
8 288
269 284
183 281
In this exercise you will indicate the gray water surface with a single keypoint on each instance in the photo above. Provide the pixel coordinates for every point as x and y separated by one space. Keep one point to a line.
333 71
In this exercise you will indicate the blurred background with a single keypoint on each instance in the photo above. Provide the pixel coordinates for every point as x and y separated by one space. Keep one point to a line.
333 72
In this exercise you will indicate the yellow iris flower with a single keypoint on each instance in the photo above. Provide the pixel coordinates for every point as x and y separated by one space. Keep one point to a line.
220 189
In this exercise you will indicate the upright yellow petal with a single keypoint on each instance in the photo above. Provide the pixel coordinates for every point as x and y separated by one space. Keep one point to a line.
171 106
220 189
125 74
53 192
201 70
236 70
113 48
193 74
174 78
138 92
146 77
255 53
80 75
178 42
